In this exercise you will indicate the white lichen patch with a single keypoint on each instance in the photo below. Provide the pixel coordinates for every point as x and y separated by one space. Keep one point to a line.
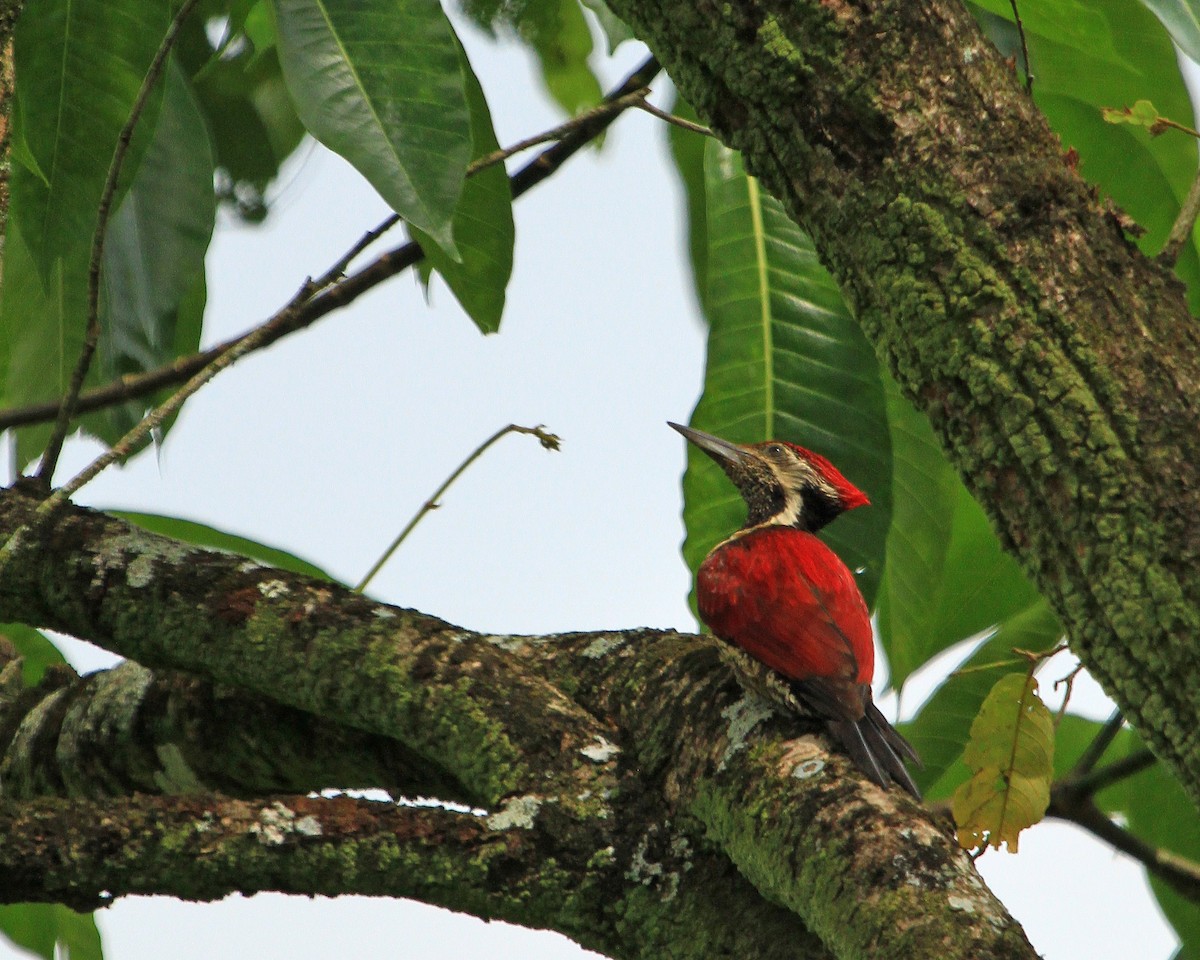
601 751
743 716
807 769
383 613
651 873
273 589
960 903
603 646
250 566
277 822
136 552
518 812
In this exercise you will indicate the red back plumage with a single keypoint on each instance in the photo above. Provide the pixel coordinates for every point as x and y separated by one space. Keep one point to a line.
788 600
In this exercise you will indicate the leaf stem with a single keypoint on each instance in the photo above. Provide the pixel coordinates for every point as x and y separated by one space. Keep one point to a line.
548 440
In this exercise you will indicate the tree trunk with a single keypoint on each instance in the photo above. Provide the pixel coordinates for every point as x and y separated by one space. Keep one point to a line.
1058 365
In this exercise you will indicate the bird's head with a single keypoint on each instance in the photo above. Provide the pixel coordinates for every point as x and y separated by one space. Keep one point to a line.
780 481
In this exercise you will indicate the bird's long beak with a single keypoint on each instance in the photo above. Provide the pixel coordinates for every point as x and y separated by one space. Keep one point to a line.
724 452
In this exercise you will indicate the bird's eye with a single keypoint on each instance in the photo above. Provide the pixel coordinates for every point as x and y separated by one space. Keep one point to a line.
775 450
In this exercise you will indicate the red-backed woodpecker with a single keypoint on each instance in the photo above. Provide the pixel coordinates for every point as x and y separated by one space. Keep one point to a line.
781 595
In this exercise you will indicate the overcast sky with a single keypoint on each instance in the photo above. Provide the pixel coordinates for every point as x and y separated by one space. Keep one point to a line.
326 444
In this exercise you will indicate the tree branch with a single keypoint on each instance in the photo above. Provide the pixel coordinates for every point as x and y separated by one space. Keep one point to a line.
130 730
504 867
1058 365
655 727
1180 873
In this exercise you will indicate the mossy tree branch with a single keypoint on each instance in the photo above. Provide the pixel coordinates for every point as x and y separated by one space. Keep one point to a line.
627 746
1059 366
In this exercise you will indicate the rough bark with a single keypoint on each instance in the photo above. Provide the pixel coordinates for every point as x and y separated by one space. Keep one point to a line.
1059 366
636 757
129 729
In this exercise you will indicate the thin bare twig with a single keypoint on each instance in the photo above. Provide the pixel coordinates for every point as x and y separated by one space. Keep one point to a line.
1024 46
1069 682
66 410
605 108
1181 229
671 118
389 264
548 440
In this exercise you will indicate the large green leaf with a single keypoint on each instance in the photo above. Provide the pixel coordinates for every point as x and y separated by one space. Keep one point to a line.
41 326
80 67
49 930
1091 54
687 150
152 280
1160 813
202 535
946 577
483 225
1182 20
786 360
379 82
154 252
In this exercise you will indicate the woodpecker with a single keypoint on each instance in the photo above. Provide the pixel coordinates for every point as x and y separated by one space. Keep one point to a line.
780 594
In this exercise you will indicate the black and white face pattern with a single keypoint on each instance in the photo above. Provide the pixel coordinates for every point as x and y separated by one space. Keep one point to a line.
781 486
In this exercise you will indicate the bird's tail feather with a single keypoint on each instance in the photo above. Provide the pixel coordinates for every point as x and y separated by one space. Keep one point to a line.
877 749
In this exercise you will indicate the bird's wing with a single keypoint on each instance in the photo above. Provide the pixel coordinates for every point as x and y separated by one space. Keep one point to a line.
788 601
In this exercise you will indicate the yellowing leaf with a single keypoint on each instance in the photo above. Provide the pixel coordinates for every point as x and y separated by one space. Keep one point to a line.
1011 754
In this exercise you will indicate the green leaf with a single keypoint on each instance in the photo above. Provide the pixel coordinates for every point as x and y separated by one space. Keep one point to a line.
379 82
687 149
1182 20
1090 54
43 927
940 729
250 116
1161 813
37 651
483 225
80 67
786 360
560 38
1011 752
154 252
41 327
152 279
202 535
616 31
946 577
